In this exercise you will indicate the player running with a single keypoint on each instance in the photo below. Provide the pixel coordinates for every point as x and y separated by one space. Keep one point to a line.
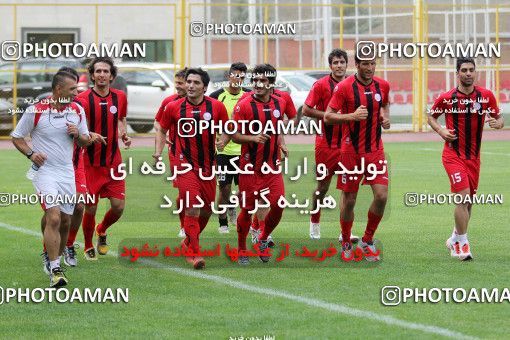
196 148
180 88
257 150
464 107
360 103
106 109
327 144
229 96
54 126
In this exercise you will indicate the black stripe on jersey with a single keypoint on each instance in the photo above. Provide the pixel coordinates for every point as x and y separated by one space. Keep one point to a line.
355 134
198 137
212 139
368 127
378 131
104 130
467 130
115 142
276 146
254 146
328 129
267 144
455 115
186 149
479 128
92 124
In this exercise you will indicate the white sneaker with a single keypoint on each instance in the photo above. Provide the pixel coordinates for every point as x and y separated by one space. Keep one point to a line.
70 256
254 235
454 248
354 238
346 254
232 216
315 231
369 251
465 252
223 229
181 234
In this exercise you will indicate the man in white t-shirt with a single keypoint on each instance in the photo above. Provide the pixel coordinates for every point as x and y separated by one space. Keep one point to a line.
54 125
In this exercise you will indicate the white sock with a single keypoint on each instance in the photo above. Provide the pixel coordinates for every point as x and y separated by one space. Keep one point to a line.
55 264
462 239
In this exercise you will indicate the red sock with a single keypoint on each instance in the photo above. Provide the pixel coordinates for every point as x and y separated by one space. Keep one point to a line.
72 236
255 223
192 229
316 218
243 227
182 213
272 219
202 222
109 218
373 222
346 227
88 225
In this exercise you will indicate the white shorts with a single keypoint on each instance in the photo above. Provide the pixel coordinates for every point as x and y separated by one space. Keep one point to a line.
55 191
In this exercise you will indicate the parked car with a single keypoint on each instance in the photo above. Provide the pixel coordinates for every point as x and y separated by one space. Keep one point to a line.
6 117
298 85
33 78
147 85
317 74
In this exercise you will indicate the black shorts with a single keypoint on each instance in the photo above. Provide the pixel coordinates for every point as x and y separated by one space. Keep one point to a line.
224 179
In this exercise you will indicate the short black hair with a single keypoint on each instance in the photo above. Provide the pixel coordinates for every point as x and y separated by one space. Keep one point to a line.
106 60
181 73
58 78
339 53
264 69
69 70
203 75
463 60
239 66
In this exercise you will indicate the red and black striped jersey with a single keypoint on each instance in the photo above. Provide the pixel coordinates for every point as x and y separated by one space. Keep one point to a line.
288 107
318 98
172 133
363 136
193 147
250 109
465 113
103 115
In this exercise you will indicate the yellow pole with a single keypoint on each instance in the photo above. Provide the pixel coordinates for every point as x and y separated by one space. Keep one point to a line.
97 24
15 78
497 59
266 38
183 33
341 8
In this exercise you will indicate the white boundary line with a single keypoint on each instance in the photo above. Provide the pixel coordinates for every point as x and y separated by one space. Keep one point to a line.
332 307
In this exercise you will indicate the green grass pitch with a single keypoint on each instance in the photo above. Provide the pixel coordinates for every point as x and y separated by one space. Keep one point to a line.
310 302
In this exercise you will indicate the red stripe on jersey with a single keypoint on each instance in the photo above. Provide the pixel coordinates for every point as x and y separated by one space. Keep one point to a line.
318 98
103 115
465 114
256 154
197 149
363 136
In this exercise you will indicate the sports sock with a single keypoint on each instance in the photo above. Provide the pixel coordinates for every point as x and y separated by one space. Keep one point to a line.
88 224
373 222
109 218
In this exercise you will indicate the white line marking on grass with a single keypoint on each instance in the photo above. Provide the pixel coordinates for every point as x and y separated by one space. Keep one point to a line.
332 307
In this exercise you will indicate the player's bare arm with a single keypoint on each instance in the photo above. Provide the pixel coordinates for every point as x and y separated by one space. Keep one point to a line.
385 116
123 133
332 117
447 135
37 157
312 112
241 139
283 146
160 139
496 123
96 138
